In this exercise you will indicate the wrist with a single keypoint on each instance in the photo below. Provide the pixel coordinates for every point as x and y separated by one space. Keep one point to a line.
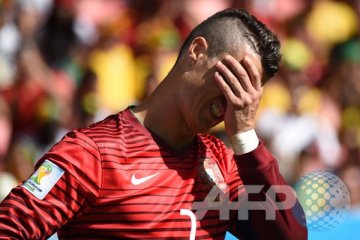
244 142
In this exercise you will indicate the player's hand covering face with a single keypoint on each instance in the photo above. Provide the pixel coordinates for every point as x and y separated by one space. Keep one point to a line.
240 82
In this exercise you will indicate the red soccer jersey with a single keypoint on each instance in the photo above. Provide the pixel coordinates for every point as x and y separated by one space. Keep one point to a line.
118 180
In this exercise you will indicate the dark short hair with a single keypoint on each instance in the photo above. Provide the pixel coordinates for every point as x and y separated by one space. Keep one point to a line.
225 30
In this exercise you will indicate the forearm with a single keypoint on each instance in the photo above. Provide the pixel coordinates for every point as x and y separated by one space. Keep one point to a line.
16 221
259 168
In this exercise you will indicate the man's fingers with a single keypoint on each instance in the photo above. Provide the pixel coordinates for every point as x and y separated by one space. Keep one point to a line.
230 78
240 83
225 88
241 73
253 72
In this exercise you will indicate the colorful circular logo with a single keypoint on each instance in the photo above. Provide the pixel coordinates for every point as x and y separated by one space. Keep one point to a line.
324 198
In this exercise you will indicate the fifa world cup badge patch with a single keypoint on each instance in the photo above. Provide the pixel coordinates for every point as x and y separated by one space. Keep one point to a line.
43 179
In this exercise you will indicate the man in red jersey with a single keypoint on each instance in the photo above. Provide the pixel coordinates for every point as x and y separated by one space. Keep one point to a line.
144 172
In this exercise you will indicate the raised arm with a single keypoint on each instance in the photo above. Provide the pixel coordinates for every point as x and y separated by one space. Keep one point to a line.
241 85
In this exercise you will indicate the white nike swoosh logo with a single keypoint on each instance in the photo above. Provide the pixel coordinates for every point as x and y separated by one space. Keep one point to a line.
137 181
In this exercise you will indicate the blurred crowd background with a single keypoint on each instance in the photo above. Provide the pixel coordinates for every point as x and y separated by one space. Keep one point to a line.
65 64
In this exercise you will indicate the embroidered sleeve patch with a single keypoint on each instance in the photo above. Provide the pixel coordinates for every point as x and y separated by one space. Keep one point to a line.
43 179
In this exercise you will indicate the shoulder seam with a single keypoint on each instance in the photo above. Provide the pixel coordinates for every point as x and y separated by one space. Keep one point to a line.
100 158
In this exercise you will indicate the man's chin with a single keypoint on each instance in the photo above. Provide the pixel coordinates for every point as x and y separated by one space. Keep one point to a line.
213 127
209 126
204 130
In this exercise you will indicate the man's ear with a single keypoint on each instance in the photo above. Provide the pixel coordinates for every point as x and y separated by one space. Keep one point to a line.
197 49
